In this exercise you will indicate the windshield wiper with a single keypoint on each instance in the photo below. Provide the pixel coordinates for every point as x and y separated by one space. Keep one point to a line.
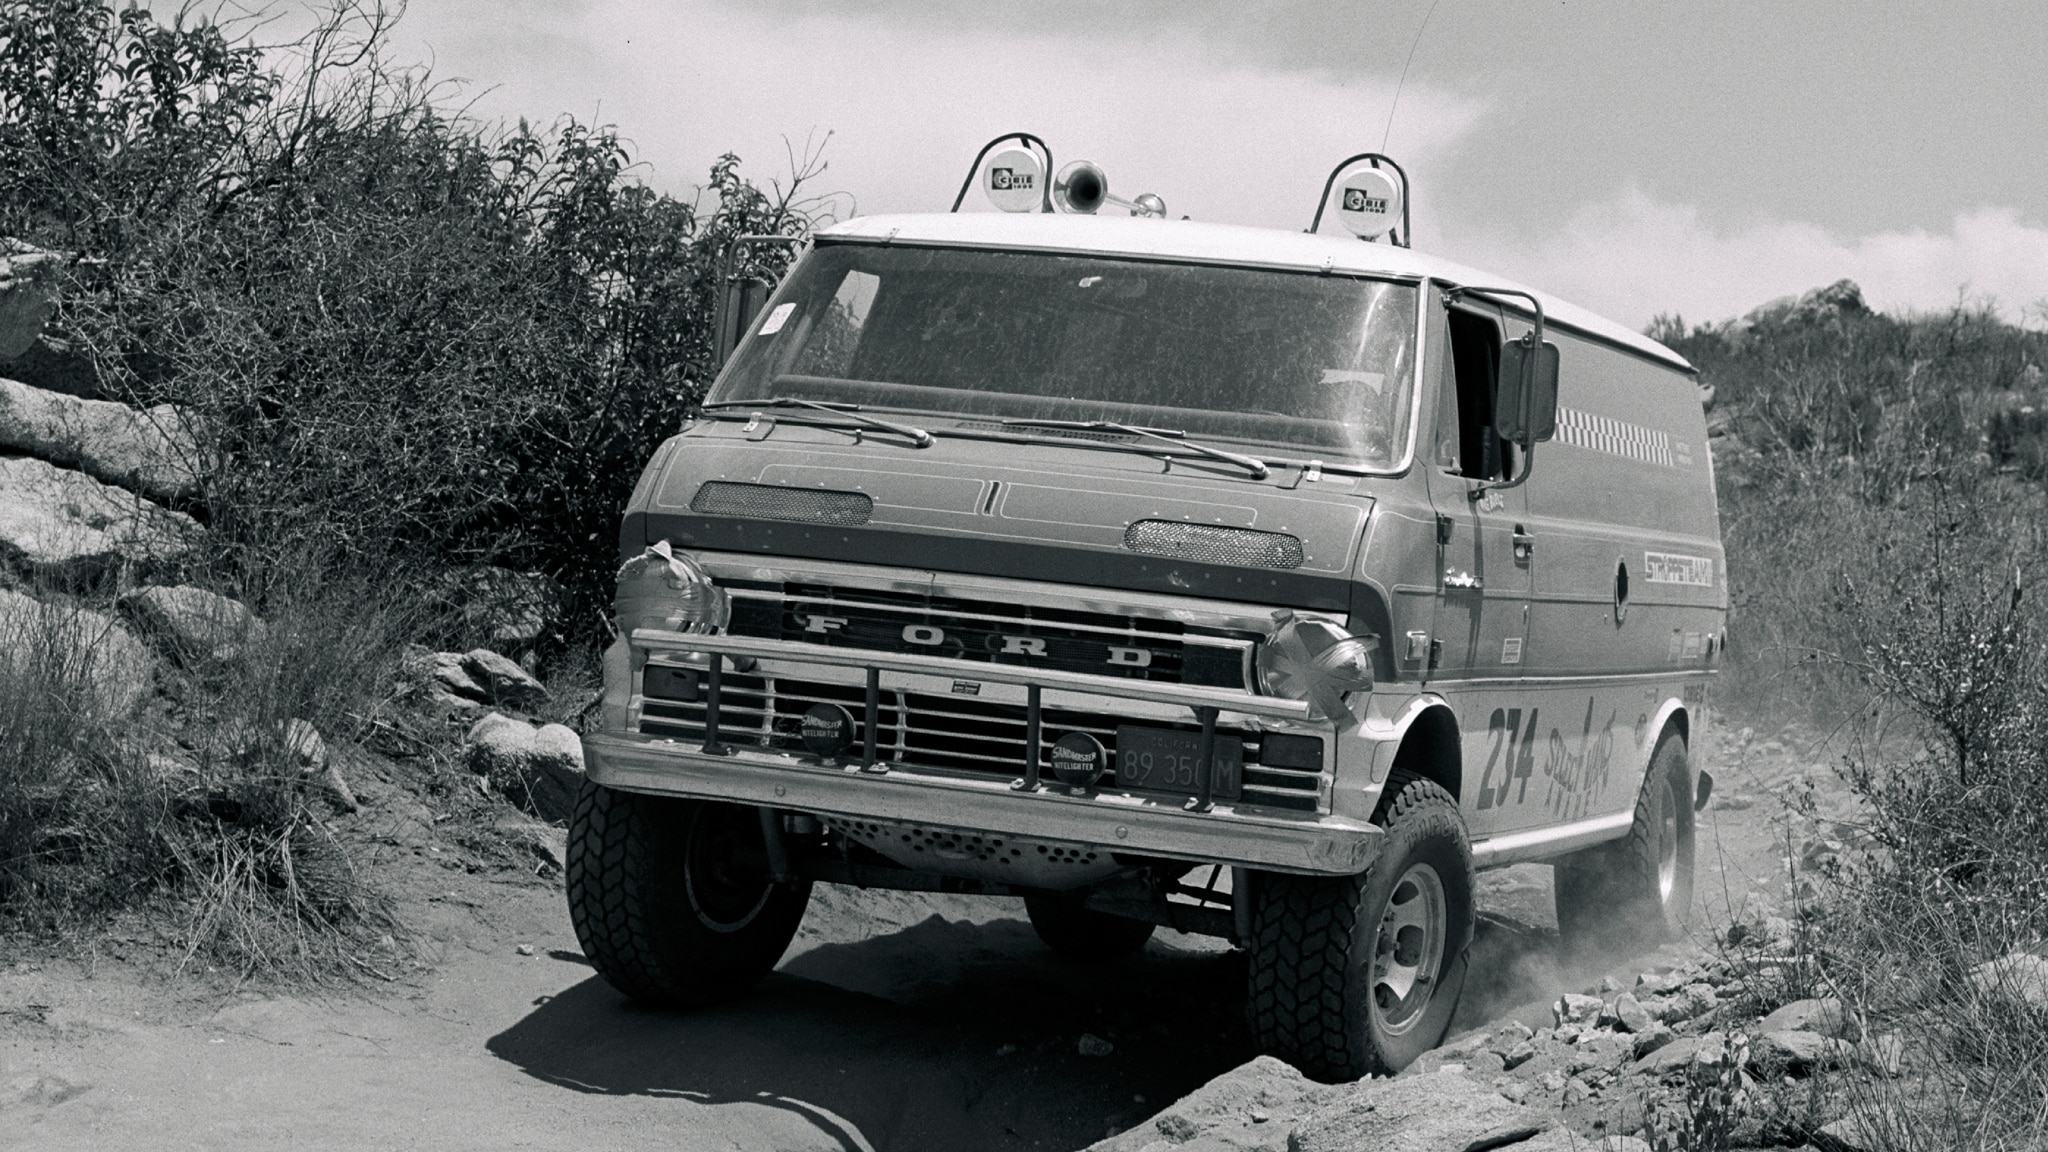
1250 464
918 436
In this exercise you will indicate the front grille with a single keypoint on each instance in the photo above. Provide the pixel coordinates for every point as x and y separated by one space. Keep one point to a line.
986 631
774 502
953 733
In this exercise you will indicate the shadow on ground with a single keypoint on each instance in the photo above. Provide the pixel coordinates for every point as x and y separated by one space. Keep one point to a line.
950 1035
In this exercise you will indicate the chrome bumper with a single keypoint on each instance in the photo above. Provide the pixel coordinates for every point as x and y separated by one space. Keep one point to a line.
1331 845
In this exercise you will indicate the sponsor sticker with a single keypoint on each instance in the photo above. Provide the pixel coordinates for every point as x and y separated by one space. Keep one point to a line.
1674 568
1511 650
966 688
777 317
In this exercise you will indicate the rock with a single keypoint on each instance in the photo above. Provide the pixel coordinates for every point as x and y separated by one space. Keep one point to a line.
1885 1054
1422 1114
1513 1090
1576 1091
1851 1134
1824 1016
1250 1107
193 625
1093 1045
547 842
1630 1015
541 771
524 949
1791 1050
1651 1039
303 743
1685 1004
1573 1008
2021 977
1683 1052
1735 802
505 682
67 526
1519 1055
155 452
75 648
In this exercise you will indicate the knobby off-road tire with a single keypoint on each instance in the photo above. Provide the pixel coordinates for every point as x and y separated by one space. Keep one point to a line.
1358 975
1071 928
1628 895
672 899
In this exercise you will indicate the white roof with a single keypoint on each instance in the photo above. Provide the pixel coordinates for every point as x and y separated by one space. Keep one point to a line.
1215 244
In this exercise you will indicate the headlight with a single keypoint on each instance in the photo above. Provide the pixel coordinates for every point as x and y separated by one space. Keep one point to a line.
1316 661
664 589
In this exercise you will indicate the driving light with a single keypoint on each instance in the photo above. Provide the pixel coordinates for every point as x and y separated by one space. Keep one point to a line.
1316 661
669 590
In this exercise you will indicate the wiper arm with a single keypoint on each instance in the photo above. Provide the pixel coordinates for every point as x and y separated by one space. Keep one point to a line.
918 436
1250 464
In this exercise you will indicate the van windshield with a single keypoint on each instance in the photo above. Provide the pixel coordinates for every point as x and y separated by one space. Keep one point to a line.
1298 362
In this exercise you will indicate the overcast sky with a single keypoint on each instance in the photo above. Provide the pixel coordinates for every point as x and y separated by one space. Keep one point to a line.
1697 157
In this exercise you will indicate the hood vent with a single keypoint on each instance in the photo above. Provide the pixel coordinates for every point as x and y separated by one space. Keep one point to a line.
1210 544
774 502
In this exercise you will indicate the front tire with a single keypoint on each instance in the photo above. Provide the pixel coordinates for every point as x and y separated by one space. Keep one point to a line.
1630 895
672 899
1071 928
1358 975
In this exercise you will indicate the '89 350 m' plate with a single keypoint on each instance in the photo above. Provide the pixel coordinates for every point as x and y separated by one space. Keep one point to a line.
1163 760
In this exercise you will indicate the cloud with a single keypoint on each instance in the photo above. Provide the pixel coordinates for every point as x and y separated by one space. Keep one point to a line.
1632 257
909 103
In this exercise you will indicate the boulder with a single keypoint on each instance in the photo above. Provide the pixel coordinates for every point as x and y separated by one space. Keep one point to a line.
504 681
540 770
154 452
1630 1015
74 648
2020 977
1250 1108
1797 1052
65 525
1574 1008
1825 1016
1684 1052
192 625
1447 1112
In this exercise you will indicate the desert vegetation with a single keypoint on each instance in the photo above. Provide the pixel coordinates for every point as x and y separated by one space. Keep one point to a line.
1881 492
385 374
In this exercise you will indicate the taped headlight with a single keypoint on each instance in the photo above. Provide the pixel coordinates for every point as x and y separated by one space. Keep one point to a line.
1316 661
668 590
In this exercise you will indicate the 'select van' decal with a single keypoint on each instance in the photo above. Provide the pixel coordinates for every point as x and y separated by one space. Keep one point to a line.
1676 568
1614 437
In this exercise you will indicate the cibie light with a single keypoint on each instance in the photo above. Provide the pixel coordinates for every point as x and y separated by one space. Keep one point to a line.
668 590
1316 661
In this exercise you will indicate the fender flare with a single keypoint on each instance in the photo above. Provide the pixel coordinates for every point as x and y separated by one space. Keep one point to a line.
1390 731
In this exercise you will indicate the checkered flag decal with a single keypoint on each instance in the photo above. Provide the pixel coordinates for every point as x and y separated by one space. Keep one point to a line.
1614 437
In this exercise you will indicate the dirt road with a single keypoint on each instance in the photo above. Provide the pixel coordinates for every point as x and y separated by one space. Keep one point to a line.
896 1022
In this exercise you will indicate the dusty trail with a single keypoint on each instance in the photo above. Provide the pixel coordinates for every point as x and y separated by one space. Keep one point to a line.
896 1022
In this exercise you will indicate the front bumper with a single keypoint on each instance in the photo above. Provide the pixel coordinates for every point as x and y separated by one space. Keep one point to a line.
1330 845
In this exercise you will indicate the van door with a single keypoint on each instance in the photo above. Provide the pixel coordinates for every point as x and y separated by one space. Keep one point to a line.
1484 566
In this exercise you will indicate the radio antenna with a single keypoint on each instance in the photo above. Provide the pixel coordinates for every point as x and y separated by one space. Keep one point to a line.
1388 134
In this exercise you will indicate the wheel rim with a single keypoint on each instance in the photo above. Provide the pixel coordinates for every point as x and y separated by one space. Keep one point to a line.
1667 847
726 891
1408 949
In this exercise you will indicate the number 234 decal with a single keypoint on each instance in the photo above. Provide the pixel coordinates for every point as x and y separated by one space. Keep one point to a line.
1509 734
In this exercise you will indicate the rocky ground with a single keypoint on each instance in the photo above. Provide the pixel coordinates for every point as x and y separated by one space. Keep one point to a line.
896 1021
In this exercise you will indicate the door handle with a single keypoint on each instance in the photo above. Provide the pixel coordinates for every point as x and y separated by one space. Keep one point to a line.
1525 545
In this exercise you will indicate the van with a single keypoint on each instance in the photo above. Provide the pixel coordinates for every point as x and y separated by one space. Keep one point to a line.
1259 584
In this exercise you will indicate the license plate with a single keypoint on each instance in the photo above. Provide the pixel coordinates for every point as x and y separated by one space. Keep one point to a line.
1163 760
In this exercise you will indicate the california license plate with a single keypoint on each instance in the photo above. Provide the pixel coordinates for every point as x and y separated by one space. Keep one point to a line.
1163 760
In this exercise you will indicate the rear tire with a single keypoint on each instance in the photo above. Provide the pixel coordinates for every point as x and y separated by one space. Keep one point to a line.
672 899
1071 928
1633 894
1358 975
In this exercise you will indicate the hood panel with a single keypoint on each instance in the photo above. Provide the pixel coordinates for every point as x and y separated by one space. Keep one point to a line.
1030 511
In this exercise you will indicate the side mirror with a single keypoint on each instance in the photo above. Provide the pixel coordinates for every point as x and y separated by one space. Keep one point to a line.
742 301
1539 422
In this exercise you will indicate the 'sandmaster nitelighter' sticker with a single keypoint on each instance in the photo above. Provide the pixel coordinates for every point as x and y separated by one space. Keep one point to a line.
1672 568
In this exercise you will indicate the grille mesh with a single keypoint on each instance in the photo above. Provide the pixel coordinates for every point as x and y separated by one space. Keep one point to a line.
1212 545
772 502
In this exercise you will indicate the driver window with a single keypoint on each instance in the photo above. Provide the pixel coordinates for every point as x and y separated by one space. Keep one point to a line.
1467 444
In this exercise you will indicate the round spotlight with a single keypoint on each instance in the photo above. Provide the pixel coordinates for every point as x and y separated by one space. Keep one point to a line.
828 730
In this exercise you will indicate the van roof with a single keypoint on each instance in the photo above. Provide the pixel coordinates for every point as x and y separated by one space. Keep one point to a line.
1218 244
